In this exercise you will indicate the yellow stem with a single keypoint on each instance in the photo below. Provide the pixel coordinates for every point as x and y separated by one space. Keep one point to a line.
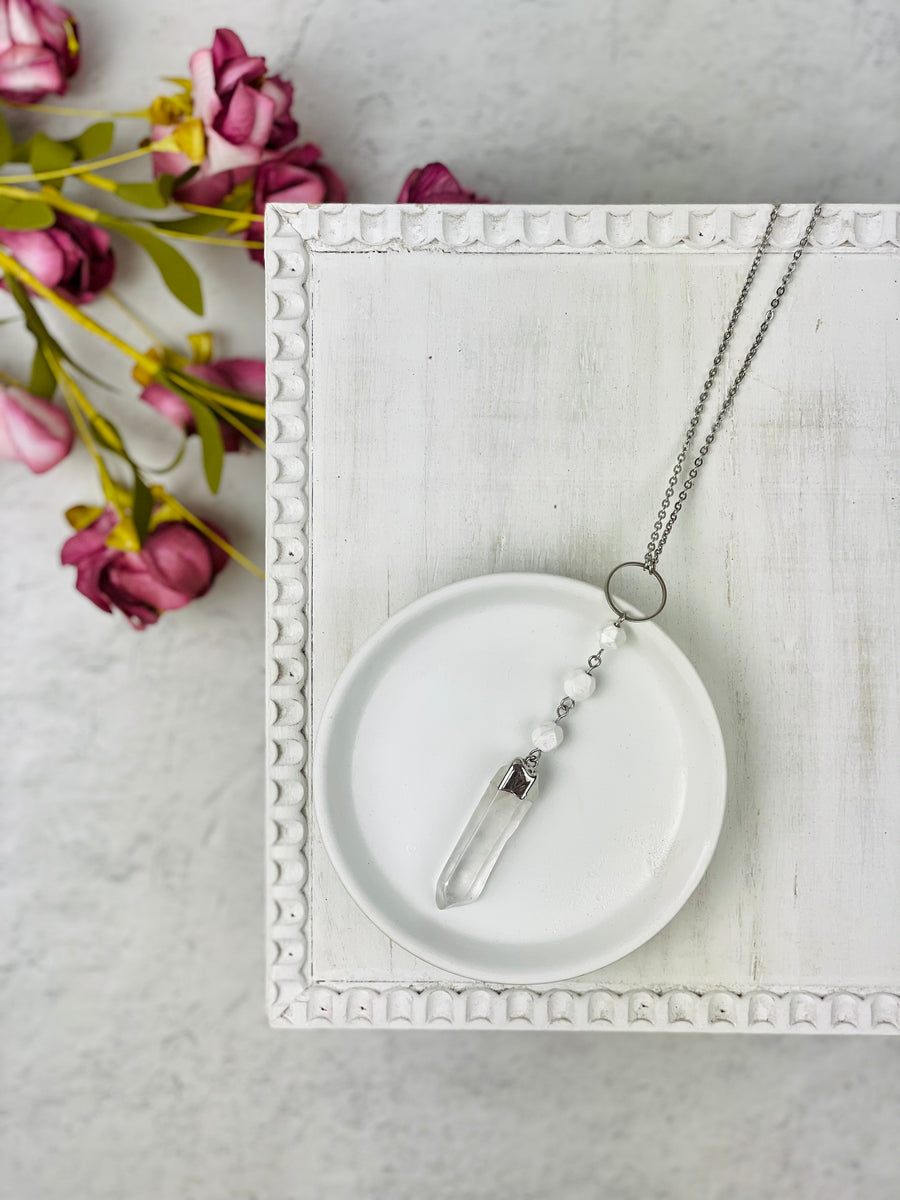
78 405
11 381
56 200
63 111
151 365
247 408
213 536
82 168
231 213
208 241
134 318
237 424
98 181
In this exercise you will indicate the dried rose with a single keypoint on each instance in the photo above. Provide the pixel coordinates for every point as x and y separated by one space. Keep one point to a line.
176 565
38 49
434 184
72 257
32 430
245 375
245 114
295 177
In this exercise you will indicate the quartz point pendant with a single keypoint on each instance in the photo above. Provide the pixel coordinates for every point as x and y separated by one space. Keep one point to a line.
499 813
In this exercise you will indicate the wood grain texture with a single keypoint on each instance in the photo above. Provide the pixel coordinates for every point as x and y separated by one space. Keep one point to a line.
498 389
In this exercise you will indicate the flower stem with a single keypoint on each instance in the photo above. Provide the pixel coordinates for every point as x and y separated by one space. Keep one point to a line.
63 111
11 381
212 395
237 423
81 168
232 214
238 243
134 318
151 365
211 534
82 413
56 200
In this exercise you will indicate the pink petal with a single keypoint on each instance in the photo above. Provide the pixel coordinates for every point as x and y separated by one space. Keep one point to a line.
170 406
247 375
90 577
435 184
284 127
248 117
226 45
38 251
32 430
114 584
209 190
180 557
335 188
223 155
52 26
243 70
206 102
27 73
173 568
89 541
18 23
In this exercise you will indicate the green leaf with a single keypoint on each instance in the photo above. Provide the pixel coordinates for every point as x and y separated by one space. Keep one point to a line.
108 436
141 507
155 194
211 439
45 154
177 273
93 141
43 381
25 214
6 142
21 152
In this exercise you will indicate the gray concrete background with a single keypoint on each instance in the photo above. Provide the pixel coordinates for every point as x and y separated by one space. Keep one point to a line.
136 1060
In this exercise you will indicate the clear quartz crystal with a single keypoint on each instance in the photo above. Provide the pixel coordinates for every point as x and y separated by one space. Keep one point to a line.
500 812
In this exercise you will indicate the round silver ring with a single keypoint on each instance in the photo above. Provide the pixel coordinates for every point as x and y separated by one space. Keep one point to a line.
656 575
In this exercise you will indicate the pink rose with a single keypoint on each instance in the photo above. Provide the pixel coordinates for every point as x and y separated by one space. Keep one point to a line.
434 184
32 430
72 257
246 375
245 115
295 177
38 49
176 565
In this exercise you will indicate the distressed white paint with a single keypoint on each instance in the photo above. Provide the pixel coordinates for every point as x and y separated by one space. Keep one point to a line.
504 389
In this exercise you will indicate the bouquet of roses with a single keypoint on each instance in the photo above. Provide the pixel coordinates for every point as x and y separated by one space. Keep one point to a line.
220 146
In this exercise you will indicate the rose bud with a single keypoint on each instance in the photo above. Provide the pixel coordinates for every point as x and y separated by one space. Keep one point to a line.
32 430
295 177
38 49
72 257
245 375
434 184
245 115
176 565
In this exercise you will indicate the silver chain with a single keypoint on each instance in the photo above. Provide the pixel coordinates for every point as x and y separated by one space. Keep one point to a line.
663 526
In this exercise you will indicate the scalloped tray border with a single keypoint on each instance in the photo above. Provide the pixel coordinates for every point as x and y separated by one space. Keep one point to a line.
292 234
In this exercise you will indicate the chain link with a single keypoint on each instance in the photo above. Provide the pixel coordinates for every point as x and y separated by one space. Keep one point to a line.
663 526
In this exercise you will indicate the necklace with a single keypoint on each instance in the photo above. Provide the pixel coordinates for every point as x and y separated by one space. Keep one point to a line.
514 788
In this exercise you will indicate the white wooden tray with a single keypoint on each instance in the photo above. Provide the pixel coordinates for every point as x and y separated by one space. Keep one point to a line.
460 390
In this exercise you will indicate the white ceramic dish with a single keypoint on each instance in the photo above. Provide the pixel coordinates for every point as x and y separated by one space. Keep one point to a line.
631 804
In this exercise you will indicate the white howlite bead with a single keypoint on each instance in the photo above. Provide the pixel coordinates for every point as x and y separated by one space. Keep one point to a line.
612 637
579 685
546 736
